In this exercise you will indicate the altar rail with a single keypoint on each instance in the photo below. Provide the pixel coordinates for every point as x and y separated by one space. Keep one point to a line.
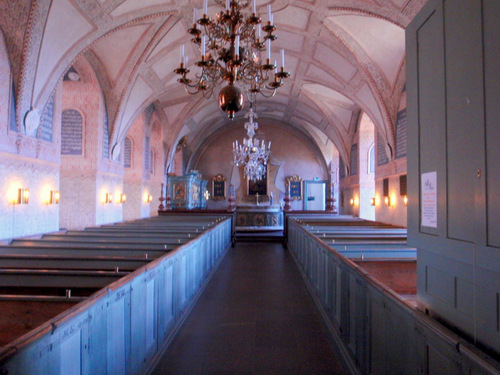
123 328
373 328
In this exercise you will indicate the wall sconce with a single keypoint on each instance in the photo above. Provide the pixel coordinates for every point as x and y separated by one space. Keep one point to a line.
351 201
23 196
387 201
123 198
372 201
54 197
405 200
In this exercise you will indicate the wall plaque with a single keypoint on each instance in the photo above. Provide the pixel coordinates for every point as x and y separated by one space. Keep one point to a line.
295 183
47 121
71 133
218 188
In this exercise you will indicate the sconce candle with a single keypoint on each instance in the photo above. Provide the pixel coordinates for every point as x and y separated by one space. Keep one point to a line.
23 196
54 197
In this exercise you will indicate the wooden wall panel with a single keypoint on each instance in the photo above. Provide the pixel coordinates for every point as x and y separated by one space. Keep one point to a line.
464 122
491 16
431 108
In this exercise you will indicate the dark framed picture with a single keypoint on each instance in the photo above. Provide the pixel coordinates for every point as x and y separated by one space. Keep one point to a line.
218 188
295 185
255 187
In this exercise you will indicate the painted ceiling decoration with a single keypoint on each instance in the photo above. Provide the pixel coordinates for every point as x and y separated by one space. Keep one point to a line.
345 57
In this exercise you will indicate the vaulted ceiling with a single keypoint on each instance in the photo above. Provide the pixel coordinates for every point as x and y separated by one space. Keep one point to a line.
345 56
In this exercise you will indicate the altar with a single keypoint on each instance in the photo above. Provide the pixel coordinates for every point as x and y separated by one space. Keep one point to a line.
259 218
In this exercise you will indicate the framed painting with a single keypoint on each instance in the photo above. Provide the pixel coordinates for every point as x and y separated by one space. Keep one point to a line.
255 187
295 184
218 188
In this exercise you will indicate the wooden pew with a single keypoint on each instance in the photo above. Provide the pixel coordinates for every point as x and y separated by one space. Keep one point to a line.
87 249
58 278
398 274
75 262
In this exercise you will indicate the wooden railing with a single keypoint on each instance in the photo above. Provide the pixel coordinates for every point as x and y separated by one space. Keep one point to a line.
372 326
123 328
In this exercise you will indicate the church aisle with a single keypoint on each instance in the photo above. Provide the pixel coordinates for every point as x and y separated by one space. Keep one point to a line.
254 317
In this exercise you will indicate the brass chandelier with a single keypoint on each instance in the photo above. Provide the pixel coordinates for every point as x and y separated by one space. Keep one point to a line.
231 45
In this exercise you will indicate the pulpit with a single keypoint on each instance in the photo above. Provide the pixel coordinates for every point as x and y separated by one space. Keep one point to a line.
187 192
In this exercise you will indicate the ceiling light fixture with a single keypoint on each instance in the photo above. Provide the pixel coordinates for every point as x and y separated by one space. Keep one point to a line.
231 45
251 154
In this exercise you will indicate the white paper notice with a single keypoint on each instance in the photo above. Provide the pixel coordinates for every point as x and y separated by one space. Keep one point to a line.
429 199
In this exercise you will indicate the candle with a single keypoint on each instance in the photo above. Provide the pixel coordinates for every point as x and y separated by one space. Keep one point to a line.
205 8
186 60
282 58
195 15
269 49
228 4
275 66
269 14
237 46
254 6
203 42
259 31
182 54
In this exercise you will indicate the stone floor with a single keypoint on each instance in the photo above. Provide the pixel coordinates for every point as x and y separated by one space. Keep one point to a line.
254 317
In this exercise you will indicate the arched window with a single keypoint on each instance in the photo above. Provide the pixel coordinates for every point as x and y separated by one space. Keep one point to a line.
71 133
127 153
371 159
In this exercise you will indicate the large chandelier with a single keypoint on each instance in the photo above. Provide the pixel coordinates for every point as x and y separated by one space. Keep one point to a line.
231 45
251 154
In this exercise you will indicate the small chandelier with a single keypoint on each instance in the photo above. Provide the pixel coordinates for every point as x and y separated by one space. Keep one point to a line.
250 154
231 47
